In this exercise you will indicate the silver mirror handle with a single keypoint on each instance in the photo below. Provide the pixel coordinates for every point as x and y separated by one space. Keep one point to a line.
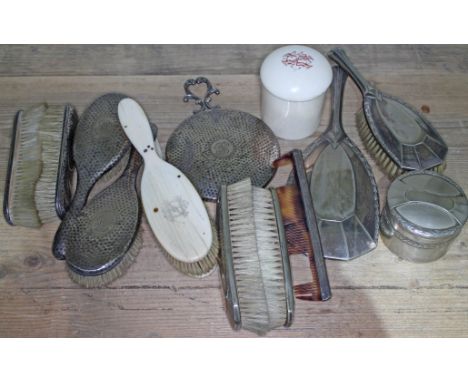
336 126
205 102
340 57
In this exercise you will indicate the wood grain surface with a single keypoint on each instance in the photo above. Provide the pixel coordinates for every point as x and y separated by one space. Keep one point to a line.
377 295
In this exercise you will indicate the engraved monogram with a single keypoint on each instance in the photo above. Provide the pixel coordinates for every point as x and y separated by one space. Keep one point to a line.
175 208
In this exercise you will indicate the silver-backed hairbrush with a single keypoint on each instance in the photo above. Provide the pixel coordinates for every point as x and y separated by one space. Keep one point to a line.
254 264
399 137
37 184
100 150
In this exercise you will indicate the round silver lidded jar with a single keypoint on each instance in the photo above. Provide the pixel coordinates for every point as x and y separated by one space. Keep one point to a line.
424 213
294 80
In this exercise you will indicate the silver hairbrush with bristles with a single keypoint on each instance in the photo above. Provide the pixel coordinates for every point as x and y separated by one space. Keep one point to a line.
398 136
255 270
37 185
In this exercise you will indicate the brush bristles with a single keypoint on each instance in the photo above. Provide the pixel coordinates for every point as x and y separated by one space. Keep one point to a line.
269 253
256 255
440 168
112 274
374 148
27 169
250 289
200 268
385 162
50 135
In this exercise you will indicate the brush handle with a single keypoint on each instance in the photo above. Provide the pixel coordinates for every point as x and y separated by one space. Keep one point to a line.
172 205
335 130
339 56
83 189
137 128
135 162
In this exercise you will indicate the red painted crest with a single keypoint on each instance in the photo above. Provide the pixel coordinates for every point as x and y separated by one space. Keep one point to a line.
297 60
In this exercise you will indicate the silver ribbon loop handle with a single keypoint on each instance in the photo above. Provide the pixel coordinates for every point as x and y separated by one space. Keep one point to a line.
205 102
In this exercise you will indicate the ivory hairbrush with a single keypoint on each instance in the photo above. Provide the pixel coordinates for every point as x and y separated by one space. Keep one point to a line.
173 207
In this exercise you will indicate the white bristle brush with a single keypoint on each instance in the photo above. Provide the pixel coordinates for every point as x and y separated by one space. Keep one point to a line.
253 259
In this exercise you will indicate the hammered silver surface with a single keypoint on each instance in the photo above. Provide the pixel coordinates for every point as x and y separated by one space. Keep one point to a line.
98 236
98 145
223 147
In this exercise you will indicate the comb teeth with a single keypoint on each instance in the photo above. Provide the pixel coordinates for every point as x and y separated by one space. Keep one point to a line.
300 224
307 292
385 162
256 257
298 239
25 169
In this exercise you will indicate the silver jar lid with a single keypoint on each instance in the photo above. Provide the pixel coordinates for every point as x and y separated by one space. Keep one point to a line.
427 205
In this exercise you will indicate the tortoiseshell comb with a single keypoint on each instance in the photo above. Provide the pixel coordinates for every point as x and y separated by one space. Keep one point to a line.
301 231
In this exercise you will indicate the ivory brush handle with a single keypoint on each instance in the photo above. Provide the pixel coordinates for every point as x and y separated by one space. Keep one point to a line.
136 126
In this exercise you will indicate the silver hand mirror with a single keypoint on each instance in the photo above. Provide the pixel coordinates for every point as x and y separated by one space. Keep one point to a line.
342 186
216 146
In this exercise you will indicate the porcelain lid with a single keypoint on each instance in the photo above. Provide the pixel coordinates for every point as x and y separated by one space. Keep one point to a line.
428 203
296 73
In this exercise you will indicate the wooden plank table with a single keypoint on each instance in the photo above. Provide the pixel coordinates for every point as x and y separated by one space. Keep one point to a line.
375 295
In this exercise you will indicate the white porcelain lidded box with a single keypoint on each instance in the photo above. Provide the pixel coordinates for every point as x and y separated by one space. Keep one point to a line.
294 80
